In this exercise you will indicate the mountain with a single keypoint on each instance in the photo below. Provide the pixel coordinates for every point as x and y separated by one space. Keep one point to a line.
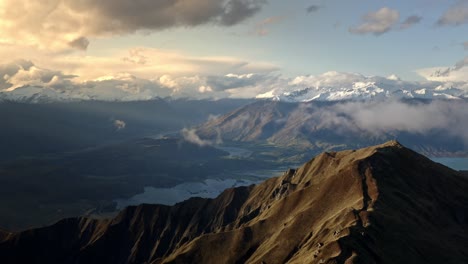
336 86
433 127
381 204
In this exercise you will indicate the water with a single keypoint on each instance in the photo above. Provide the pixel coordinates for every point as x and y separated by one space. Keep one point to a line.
237 152
169 196
454 163
209 188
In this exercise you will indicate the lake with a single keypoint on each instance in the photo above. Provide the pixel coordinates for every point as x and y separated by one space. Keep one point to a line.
209 188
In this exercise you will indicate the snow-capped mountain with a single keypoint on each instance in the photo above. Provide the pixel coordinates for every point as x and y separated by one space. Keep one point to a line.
334 86
330 86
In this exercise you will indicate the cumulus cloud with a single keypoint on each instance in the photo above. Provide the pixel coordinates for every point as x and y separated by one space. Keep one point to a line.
23 73
378 22
410 21
119 124
313 8
53 24
456 15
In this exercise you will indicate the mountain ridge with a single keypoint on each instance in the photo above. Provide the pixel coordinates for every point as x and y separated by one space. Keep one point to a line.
371 205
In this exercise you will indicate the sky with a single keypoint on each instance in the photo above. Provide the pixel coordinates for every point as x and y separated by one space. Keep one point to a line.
225 48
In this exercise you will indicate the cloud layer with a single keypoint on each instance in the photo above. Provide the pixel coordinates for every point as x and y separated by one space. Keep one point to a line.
60 23
391 117
24 80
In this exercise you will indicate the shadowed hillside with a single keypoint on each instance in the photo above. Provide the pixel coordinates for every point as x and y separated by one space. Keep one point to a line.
382 204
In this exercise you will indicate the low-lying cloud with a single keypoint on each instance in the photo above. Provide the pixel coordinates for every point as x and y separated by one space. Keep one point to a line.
381 118
119 124
190 135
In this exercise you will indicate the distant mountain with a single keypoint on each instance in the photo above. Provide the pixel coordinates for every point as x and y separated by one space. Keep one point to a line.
382 204
433 127
335 86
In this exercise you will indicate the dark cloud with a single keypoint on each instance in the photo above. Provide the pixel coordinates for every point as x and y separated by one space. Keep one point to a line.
236 11
80 43
410 21
455 15
123 16
64 24
313 8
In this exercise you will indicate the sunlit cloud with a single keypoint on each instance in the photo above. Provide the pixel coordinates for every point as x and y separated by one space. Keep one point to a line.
65 24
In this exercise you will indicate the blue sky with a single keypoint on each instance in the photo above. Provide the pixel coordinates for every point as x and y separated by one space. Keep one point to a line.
161 40
312 43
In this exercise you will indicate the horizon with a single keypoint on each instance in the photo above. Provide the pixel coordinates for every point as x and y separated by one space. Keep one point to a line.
229 49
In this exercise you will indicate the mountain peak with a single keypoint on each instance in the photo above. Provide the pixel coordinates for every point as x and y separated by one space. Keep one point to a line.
392 143
380 204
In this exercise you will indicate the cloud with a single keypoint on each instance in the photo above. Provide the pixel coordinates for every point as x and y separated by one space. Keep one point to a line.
119 124
383 117
458 72
232 81
410 21
379 119
191 136
55 24
456 15
23 79
236 11
80 43
262 27
313 8
24 73
378 22
143 62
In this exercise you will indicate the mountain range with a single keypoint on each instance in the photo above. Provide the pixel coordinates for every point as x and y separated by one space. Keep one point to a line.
330 86
380 204
335 86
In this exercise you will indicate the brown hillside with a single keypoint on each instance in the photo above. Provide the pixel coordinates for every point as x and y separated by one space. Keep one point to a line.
383 204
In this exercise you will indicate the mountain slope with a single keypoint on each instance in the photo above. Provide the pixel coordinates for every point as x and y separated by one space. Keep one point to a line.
382 204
